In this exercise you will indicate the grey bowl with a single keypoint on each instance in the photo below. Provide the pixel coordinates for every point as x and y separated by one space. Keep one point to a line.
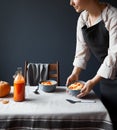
74 92
48 88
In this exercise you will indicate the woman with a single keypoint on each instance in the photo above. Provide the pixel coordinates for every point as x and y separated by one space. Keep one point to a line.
97 34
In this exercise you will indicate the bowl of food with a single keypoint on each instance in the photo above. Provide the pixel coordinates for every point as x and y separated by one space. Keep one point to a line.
48 85
75 88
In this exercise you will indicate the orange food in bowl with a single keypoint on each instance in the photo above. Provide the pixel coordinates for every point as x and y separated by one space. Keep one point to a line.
4 88
46 83
76 86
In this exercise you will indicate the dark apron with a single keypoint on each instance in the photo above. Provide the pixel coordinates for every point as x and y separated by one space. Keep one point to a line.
97 39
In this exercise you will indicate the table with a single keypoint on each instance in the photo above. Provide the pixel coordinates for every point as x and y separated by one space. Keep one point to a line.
51 111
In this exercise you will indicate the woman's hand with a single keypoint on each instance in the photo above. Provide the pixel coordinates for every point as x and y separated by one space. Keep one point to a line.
86 89
72 78
89 85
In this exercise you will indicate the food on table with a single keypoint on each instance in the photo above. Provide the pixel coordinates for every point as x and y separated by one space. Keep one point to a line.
19 86
5 101
4 88
76 86
48 83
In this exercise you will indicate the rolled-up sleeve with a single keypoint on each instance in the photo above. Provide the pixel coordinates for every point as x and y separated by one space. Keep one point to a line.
82 54
108 69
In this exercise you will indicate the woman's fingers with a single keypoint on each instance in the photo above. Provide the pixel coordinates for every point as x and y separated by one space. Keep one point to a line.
86 89
71 78
83 89
81 95
68 81
83 92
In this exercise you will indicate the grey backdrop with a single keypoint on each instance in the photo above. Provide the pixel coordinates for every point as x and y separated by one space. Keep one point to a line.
39 31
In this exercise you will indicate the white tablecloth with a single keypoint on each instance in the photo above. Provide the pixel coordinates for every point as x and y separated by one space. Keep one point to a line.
52 111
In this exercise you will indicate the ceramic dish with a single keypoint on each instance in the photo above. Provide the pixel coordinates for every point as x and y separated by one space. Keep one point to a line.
48 85
75 88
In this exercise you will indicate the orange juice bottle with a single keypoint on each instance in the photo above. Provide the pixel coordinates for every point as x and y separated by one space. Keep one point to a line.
19 86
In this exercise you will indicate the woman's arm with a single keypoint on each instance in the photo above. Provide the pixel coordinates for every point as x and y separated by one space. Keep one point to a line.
108 69
76 71
82 54
96 79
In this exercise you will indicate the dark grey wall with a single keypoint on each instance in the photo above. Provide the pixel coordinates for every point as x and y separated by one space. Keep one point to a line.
39 31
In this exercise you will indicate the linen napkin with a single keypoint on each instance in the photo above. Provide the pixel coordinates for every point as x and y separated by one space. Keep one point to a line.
36 72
